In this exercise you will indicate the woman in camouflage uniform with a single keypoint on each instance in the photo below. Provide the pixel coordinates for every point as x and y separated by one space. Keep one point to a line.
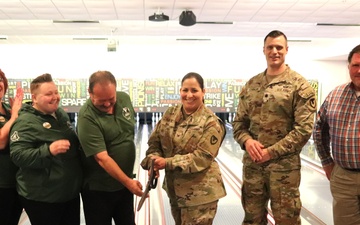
185 143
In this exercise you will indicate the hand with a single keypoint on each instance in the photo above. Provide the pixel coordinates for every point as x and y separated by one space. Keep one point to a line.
328 170
265 156
59 146
255 149
159 163
135 187
16 102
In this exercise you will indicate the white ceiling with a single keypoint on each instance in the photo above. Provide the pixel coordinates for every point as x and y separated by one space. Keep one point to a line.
31 21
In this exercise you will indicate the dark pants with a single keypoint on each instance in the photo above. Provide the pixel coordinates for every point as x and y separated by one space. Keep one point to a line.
43 213
10 206
101 207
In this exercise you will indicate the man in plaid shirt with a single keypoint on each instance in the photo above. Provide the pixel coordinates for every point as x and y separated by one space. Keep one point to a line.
337 139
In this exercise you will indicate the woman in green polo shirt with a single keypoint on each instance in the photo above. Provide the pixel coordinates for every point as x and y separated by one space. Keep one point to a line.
46 149
10 206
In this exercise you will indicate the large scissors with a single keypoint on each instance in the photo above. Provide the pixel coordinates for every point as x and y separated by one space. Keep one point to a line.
151 184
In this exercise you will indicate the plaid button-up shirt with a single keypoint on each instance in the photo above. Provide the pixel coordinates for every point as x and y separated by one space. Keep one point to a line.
337 128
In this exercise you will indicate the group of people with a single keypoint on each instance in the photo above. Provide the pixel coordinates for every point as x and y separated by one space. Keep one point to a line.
46 164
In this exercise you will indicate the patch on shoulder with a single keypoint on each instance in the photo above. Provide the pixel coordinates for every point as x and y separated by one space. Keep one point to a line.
15 136
313 103
213 140
126 113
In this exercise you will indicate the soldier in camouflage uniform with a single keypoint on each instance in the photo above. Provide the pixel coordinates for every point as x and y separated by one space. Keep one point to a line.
185 143
274 120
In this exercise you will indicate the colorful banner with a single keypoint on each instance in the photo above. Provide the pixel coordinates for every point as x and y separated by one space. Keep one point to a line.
149 95
73 93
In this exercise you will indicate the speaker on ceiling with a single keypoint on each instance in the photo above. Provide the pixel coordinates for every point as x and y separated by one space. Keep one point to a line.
187 18
158 17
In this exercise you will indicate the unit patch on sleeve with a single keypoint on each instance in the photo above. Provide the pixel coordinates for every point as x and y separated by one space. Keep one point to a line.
126 113
15 136
213 140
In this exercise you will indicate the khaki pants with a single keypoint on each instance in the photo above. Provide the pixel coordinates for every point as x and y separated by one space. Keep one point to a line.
195 215
345 189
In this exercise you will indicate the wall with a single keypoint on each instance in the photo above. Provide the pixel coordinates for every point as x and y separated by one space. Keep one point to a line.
166 59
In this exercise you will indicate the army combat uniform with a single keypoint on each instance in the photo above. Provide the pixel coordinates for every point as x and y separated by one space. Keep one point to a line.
192 176
280 115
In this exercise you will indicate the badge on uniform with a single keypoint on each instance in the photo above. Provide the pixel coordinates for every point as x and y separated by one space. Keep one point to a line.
15 136
126 113
47 125
213 140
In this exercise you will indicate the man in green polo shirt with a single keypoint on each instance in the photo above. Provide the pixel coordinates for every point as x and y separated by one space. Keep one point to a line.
106 132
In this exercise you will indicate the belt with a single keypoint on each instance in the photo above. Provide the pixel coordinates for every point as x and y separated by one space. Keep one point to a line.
352 170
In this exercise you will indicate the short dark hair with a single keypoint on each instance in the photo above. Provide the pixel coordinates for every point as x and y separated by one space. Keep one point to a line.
101 76
5 81
274 34
353 51
45 78
197 76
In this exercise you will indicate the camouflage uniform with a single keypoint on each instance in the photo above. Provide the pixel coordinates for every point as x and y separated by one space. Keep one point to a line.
280 115
189 146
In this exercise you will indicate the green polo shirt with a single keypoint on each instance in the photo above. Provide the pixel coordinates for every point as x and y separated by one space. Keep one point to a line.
114 133
7 167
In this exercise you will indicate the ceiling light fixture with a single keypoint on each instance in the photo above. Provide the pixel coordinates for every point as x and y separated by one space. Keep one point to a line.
90 39
339 24
214 22
76 21
193 39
